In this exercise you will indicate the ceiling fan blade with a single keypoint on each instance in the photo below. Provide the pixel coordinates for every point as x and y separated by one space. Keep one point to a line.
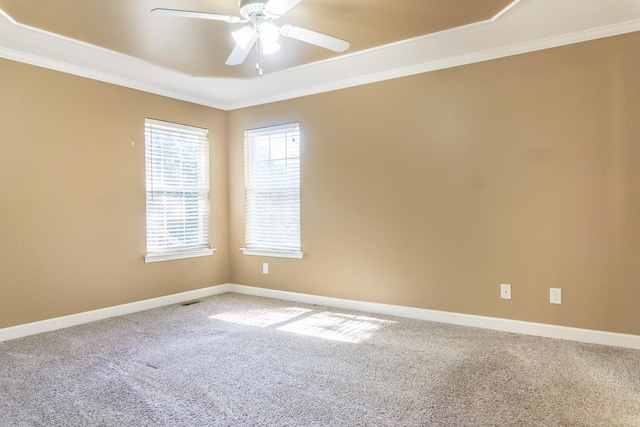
280 7
198 15
313 37
238 54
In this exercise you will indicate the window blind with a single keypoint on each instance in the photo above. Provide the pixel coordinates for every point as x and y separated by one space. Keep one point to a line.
272 188
177 181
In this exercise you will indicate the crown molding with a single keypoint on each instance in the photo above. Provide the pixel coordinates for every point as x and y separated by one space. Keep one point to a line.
471 58
531 26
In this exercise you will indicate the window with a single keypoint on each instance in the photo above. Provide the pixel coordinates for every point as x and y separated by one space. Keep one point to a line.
177 171
272 191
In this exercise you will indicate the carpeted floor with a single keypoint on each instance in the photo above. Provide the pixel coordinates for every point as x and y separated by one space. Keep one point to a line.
237 360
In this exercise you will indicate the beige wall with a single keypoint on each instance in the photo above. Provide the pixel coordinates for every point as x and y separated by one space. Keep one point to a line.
426 191
430 191
72 196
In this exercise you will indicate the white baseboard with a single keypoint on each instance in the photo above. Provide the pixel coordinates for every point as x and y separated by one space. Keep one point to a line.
104 313
498 324
505 325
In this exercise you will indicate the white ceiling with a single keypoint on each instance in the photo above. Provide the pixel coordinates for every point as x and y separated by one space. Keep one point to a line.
531 25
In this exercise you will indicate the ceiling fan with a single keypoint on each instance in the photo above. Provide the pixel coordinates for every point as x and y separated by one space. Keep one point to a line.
260 14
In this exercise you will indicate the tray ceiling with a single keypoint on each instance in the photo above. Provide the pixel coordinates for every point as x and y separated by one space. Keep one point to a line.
121 42
200 47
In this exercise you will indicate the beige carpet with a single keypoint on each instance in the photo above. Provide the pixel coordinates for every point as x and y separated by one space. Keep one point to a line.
236 360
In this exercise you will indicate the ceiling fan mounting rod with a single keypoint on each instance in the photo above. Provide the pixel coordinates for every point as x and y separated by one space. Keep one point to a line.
249 8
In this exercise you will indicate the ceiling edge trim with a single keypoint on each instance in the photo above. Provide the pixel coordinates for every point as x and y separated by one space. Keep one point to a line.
132 83
99 76
486 55
90 73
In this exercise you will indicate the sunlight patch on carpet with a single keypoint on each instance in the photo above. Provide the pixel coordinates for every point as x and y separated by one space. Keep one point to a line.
326 325
336 326
261 317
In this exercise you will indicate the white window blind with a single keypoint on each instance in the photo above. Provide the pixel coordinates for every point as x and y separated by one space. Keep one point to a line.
177 171
272 189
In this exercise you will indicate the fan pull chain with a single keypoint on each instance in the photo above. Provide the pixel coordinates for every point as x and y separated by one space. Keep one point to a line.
258 55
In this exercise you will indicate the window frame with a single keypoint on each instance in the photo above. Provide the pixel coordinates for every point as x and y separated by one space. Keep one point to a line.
154 179
251 136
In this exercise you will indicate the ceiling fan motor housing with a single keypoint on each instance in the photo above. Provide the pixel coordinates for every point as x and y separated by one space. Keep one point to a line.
248 8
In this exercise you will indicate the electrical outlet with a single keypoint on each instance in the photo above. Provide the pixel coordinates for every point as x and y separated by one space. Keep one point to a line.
265 268
505 291
555 295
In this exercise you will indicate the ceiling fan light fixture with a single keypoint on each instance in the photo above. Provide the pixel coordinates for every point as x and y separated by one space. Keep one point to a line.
243 36
268 46
269 31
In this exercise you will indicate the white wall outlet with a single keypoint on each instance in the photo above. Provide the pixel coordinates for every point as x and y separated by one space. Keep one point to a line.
265 268
555 295
505 291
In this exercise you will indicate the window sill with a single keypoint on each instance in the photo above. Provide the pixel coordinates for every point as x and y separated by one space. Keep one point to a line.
178 255
268 253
